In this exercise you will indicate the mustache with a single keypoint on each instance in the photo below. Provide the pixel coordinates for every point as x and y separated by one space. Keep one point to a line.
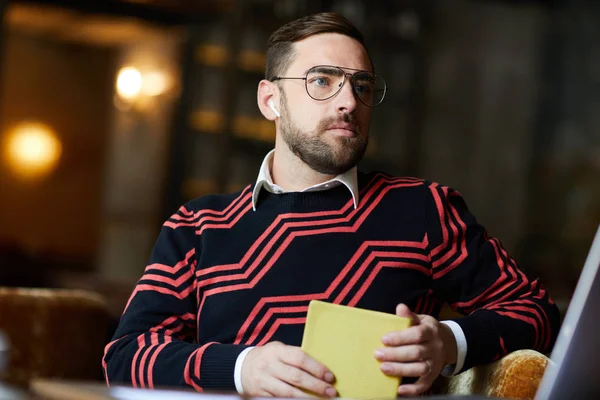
343 118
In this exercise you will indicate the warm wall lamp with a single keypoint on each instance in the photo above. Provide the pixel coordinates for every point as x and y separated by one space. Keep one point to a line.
137 89
32 149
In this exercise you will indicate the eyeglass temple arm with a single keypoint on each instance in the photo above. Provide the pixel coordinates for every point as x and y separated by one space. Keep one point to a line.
277 78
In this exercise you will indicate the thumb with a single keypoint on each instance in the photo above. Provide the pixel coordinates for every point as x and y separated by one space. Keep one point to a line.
402 310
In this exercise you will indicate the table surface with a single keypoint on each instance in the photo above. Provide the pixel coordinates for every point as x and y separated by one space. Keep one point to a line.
52 389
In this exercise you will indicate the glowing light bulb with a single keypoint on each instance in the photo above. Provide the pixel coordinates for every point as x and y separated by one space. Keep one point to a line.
155 83
129 83
33 149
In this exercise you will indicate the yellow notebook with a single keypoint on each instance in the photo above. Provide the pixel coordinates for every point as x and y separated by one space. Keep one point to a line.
344 339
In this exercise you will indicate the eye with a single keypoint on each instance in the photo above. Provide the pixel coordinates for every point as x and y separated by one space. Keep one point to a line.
363 88
363 83
321 81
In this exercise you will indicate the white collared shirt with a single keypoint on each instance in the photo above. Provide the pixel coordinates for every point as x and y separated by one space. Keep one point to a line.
350 180
264 180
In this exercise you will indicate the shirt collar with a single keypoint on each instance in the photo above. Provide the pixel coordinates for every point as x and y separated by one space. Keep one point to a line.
264 180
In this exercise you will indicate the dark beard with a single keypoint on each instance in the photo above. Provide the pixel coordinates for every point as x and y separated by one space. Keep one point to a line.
316 152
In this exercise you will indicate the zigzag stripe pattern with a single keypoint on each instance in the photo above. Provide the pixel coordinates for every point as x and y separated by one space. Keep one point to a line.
213 219
151 344
200 218
428 304
104 366
530 312
337 225
286 221
269 232
190 377
328 222
159 349
452 251
179 281
348 279
180 327
204 288
176 281
511 282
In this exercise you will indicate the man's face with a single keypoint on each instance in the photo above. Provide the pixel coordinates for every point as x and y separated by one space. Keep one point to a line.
330 136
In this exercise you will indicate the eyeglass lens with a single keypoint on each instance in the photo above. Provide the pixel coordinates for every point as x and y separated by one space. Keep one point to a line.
323 82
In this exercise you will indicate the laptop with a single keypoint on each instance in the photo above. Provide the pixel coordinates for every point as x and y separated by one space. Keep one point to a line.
574 369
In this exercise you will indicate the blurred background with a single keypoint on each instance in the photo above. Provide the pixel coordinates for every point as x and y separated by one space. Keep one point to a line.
113 113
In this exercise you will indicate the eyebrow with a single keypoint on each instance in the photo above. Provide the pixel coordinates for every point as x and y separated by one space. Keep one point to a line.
325 68
336 66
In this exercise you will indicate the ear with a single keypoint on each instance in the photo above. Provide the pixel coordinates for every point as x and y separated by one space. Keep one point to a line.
267 91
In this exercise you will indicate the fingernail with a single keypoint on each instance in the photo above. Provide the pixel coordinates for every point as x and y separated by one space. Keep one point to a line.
386 367
378 354
331 392
329 377
385 340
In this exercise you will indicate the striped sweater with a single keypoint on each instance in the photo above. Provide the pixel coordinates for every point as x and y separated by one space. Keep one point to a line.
223 277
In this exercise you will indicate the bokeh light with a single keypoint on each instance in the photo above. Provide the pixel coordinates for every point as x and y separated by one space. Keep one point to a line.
32 149
154 83
129 83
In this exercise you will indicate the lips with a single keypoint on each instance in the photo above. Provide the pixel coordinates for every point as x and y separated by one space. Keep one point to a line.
343 126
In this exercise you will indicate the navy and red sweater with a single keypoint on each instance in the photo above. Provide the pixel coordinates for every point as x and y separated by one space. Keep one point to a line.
223 277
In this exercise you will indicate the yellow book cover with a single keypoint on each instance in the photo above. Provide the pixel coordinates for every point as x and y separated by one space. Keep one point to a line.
345 339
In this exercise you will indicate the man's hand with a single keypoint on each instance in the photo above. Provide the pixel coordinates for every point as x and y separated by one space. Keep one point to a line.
420 351
278 370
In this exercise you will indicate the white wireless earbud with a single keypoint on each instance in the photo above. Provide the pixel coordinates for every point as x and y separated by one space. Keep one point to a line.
273 108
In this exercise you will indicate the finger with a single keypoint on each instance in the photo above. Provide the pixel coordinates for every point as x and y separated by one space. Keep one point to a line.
298 358
279 388
402 310
303 380
413 335
427 320
265 393
415 389
406 353
414 369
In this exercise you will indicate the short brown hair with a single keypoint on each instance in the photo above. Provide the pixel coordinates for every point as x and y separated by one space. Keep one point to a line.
280 51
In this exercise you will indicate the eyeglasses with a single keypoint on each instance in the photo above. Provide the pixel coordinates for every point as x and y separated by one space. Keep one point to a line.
325 81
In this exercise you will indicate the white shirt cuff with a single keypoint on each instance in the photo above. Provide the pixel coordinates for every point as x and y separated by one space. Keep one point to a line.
461 349
237 371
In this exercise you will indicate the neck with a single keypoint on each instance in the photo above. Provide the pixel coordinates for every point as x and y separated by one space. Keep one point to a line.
291 173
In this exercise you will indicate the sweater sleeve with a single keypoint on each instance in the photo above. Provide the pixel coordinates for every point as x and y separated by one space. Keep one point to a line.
504 310
156 340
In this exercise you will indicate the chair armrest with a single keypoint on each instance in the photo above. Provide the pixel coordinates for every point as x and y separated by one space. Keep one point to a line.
516 375
53 333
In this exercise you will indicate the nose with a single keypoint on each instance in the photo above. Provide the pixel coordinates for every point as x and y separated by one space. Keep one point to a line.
346 99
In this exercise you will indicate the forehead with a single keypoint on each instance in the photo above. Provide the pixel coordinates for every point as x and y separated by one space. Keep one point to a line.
329 49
